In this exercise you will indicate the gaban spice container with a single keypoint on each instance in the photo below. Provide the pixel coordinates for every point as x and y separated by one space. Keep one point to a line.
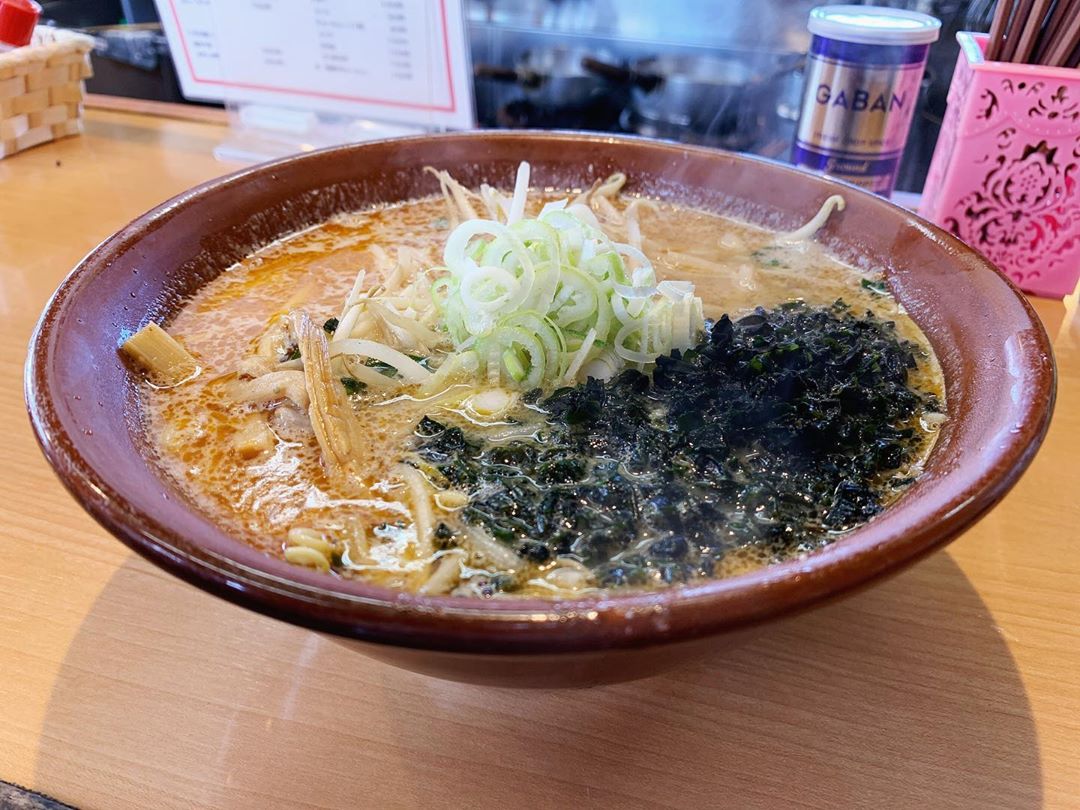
863 74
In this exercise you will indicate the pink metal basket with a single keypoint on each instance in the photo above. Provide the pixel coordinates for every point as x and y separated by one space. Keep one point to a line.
1005 170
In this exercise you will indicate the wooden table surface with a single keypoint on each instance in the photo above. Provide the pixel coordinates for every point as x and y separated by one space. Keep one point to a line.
956 684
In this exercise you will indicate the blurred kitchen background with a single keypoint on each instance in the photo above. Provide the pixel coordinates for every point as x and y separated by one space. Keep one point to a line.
731 69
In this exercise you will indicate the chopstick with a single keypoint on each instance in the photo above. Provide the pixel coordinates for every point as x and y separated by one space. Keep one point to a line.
1043 32
997 29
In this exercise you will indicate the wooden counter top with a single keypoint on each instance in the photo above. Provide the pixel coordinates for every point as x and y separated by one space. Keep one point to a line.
956 684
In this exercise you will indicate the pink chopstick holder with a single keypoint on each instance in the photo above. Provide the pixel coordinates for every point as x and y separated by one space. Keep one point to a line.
1006 167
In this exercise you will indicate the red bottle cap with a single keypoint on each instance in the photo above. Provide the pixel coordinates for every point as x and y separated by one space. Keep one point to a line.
17 21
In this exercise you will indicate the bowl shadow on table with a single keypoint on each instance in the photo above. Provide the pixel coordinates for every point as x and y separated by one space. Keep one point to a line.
848 706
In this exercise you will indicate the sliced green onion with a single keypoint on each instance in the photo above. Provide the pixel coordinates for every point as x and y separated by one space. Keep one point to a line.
545 300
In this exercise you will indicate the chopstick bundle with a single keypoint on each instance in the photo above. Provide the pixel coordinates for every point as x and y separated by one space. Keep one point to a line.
1038 32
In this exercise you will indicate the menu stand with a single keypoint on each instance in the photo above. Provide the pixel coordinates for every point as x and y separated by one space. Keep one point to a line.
259 132
296 77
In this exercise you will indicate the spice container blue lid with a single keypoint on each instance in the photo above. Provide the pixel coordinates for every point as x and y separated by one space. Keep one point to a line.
874 25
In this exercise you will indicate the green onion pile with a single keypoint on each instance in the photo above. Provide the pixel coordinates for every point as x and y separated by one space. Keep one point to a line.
552 300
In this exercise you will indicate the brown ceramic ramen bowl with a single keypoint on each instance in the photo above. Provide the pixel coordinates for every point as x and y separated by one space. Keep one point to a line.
84 402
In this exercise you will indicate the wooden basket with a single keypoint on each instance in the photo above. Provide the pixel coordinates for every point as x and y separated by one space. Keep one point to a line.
41 89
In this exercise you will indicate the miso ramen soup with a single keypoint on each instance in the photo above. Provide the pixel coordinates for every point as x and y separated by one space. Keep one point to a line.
541 394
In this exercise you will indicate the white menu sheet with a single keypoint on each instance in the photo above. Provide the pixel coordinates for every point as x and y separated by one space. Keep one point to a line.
395 60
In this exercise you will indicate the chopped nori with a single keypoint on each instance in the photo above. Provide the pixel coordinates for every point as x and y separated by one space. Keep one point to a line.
779 430
429 427
876 286
330 326
444 537
385 369
352 385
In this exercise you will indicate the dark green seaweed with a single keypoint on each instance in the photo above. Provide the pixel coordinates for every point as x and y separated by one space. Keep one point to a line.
779 431
352 386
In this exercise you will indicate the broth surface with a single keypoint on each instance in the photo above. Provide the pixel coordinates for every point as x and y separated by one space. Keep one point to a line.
735 267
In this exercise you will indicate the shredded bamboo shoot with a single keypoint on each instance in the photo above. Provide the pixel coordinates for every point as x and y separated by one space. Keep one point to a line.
445 576
164 360
423 517
330 413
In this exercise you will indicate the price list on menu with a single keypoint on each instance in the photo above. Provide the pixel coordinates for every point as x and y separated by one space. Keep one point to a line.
399 60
